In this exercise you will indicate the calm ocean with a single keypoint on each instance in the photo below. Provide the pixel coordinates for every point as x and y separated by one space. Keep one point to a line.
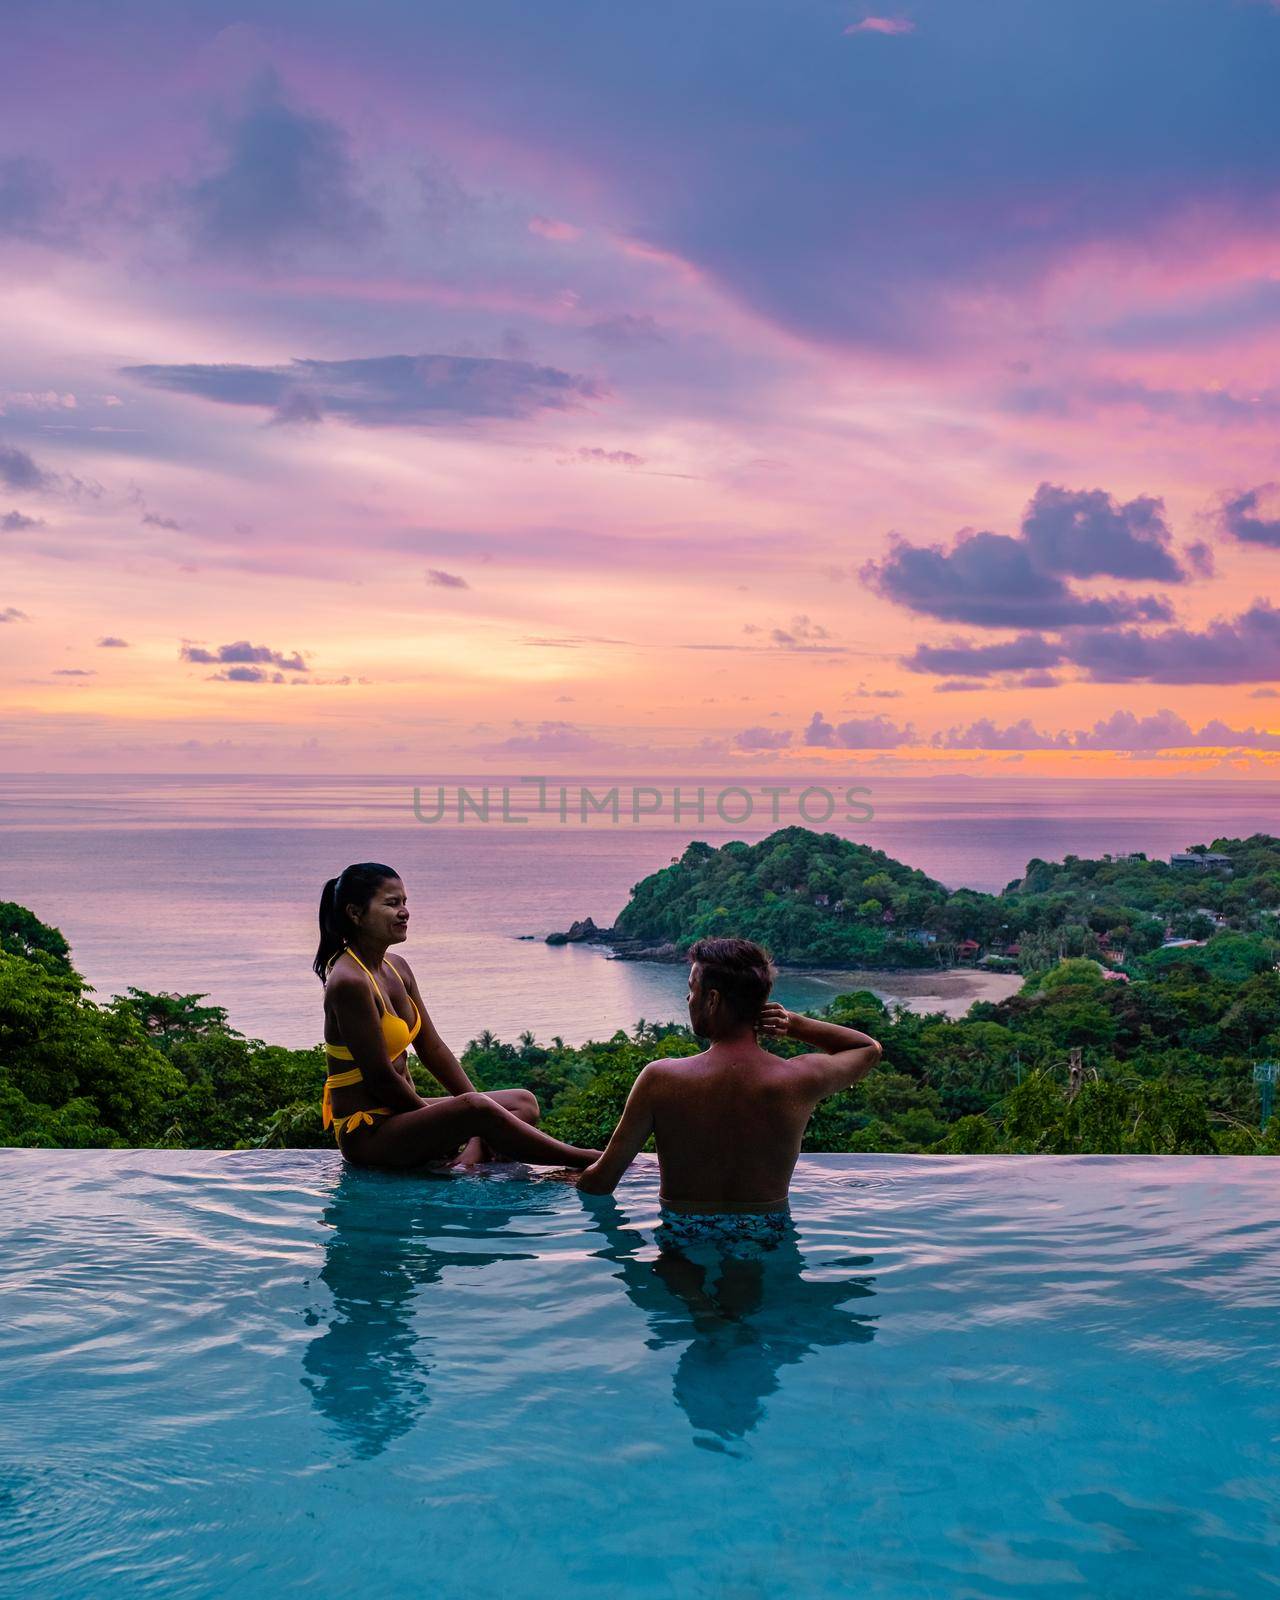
210 884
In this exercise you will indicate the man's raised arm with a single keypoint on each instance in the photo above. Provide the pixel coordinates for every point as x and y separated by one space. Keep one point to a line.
846 1054
626 1141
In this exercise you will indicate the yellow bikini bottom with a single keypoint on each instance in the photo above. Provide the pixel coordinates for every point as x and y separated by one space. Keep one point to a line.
357 1119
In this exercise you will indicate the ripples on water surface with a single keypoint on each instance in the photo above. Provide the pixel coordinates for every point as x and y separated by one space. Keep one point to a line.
255 1374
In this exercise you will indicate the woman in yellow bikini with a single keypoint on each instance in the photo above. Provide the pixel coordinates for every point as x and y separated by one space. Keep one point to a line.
372 1013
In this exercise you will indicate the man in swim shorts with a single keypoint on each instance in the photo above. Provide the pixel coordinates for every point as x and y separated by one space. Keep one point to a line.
728 1123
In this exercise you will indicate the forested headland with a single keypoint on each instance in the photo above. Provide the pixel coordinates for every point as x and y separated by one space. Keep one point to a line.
1150 994
818 900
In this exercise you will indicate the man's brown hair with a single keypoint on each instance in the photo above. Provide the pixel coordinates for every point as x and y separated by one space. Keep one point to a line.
742 974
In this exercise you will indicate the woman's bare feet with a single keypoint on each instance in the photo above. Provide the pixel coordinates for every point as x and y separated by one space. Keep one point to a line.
471 1155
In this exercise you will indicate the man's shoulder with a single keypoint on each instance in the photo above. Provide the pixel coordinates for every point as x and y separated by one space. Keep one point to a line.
668 1069
669 1064
798 1078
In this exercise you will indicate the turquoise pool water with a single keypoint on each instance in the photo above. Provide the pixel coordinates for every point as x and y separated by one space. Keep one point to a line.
255 1374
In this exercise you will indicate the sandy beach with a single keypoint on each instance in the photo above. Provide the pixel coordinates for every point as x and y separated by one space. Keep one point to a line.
950 989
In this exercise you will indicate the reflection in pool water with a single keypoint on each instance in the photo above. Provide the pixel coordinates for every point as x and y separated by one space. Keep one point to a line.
738 1322
243 1375
368 1371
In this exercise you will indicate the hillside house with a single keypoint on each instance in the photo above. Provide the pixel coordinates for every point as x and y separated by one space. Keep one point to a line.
1206 861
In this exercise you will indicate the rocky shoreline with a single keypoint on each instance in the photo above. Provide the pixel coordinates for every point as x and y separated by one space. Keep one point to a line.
951 990
623 948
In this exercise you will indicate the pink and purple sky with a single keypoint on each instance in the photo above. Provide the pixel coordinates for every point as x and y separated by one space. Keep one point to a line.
689 387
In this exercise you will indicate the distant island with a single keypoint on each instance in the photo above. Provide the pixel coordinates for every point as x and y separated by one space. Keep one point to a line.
1148 1019
819 900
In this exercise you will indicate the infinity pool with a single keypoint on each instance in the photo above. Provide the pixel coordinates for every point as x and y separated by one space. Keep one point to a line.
256 1374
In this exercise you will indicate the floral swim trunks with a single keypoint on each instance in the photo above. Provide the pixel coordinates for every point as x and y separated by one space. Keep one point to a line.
742 1235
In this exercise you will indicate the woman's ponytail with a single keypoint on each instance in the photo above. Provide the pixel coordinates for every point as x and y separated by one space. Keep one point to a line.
331 941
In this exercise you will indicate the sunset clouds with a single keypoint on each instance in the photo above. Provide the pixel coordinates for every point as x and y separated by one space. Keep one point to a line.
697 366
382 392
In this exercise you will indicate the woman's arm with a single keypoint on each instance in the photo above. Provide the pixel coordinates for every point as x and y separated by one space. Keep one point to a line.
351 1000
434 1054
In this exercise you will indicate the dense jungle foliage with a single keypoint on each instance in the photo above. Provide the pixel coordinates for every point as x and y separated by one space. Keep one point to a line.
819 900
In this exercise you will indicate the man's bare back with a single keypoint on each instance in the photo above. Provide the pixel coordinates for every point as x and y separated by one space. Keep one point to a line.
728 1123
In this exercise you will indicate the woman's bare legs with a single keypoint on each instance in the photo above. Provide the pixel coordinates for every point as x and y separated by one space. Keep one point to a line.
434 1132
522 1102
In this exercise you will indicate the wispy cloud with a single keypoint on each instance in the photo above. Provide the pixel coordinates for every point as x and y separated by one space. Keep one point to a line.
858 733
21 472
282 178
1163 730
888 25
1027 651
241 653
1213 405
613 458
551 738
552 228
1241 519
32 203
380 391
568 641
625 330
1240 649
18 470
763 739
801 633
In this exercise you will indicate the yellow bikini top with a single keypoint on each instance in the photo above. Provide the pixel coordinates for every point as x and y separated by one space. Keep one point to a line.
395 1030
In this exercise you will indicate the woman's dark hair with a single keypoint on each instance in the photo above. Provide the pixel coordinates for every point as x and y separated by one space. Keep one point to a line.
741 971
354 886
